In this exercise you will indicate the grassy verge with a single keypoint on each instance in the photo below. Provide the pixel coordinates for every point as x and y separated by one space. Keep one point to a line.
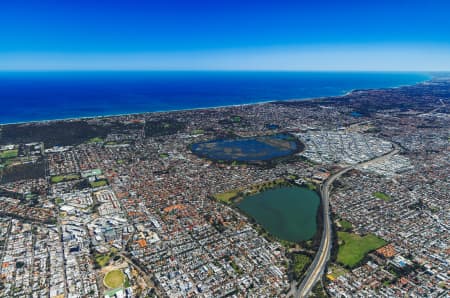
300 264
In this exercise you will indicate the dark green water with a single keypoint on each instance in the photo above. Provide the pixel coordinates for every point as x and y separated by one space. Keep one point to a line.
288 213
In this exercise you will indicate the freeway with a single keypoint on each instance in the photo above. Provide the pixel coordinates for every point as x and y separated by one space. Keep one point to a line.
319 263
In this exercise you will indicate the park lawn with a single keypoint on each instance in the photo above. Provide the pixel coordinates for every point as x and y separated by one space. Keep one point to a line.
102 260
98 183
382 196
56 179
236 119
198 131
226 197
114 279
95 140
60 178
9 153
257 188
345 224
353 248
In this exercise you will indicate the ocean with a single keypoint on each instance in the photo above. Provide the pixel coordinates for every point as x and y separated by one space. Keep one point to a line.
34 96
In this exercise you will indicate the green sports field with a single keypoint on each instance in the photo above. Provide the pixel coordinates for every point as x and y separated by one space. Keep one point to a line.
114 279
353 248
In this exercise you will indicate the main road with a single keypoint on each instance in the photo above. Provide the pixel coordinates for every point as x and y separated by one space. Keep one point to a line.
319 263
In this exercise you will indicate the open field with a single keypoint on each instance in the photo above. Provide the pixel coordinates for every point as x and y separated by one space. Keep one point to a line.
60 178
353 248
114 279
9 153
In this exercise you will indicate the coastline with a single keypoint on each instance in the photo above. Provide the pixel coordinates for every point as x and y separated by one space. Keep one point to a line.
77 118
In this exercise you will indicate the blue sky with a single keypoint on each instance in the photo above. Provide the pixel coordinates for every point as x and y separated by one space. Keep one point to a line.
227 35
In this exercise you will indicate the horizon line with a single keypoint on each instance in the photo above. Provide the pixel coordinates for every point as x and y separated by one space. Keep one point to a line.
219 70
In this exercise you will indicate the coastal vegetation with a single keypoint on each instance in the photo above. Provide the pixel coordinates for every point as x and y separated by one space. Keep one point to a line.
63 133
31 170
55 133
353 248
163 127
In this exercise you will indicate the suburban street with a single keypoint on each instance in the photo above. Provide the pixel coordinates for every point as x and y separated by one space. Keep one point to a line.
318 265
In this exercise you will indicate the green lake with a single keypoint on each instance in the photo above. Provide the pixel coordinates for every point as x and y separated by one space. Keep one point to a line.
288 213
250 149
